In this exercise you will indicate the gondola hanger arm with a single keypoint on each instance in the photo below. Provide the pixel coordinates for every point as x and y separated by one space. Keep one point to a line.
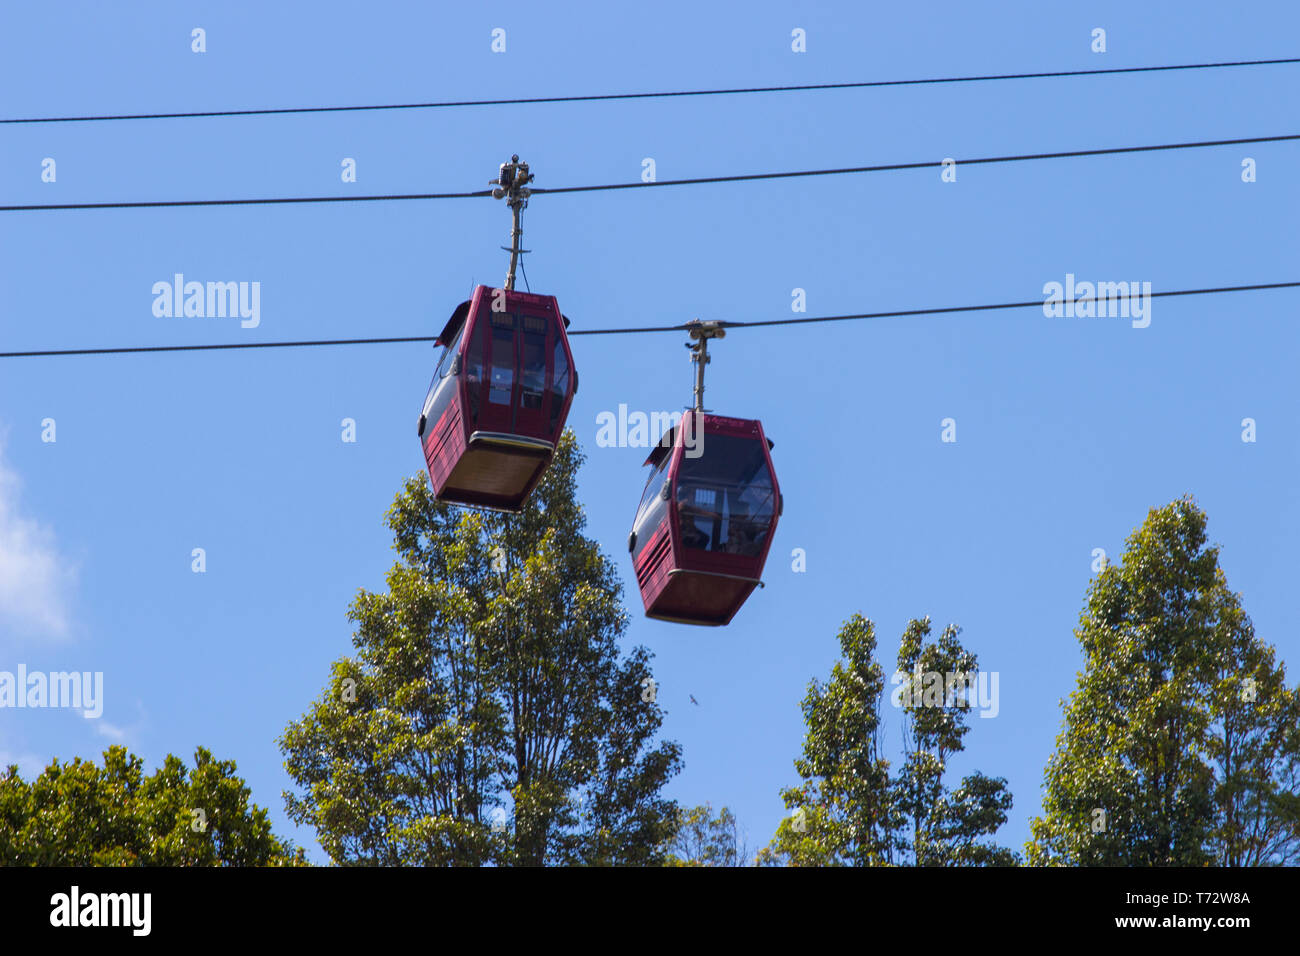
511 185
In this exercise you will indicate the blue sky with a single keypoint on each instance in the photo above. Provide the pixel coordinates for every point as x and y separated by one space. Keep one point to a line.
1068 430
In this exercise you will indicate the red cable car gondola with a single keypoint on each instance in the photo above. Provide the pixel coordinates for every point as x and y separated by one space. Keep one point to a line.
707 514
501 392
499 399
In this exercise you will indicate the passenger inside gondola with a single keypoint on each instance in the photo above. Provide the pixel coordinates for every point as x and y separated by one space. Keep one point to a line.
699 518
742 529
724 499
755 507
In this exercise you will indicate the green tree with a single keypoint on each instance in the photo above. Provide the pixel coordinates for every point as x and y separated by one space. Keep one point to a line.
705 840
81 814
850 809
943 827
1254 750
842 812
487 715
1180 742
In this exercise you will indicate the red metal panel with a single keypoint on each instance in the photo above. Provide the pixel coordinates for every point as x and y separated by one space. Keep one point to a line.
444 443
655 564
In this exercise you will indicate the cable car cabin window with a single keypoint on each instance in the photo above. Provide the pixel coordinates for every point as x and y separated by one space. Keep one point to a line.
532 371
559 384
724 498
441 390
503 359
650 512
654 483
474 370
444 365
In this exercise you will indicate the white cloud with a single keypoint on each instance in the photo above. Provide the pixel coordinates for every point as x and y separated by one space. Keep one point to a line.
111 731
35 579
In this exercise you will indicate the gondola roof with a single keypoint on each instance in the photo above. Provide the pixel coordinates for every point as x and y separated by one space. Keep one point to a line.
458 319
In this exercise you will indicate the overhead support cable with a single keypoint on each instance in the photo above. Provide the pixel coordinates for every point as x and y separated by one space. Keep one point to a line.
696 181
681 327
599 97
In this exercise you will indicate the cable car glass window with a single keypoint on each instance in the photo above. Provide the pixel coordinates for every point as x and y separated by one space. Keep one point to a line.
444 365
441 391
559 383
532 372
650 513
724 498
474 369
503 359
655 477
